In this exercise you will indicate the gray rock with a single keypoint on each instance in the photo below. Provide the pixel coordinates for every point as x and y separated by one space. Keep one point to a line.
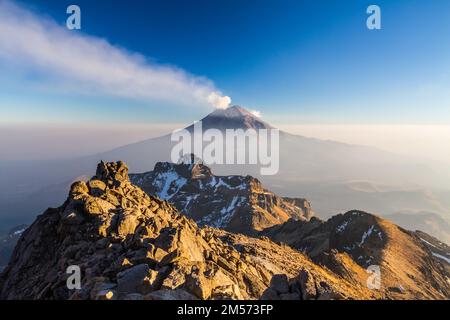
270 294
280 283
137 279
290 296
307 285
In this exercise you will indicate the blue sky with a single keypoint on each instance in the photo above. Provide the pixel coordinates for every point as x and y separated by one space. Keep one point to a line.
295 61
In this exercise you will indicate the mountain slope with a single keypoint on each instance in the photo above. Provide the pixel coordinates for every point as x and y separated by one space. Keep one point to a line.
235 203
129 245
408 268
7 244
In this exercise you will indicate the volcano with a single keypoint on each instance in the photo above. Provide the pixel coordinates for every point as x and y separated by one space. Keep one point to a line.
322 171
235 117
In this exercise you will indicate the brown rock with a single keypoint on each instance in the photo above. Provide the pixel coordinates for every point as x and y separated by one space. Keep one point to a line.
127 225
175 279
97 206
97 187
307 285
79 187
171 258
159 254
199 285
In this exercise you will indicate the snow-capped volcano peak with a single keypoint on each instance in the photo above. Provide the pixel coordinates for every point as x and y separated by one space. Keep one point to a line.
235 117
232 112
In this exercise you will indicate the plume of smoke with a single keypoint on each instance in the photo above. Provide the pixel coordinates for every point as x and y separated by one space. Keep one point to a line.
71 61
219 101
256 113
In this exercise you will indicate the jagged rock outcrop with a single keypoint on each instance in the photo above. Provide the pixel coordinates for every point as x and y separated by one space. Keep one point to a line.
348 244
129 245
234 203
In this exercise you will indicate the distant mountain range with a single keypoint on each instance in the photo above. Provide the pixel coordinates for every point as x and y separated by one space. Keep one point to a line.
428 222
335 177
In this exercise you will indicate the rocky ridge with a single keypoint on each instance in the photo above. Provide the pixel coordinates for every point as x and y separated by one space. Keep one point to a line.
130 245
356 240
234 203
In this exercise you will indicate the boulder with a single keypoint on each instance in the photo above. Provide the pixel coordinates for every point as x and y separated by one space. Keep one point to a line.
137 279
199 285
270 294
127 225
97 187
112 173
167 239
78 188
307 285
96 206
175 279
280 283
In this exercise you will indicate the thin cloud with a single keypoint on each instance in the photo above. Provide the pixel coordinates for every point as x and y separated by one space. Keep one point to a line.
71 61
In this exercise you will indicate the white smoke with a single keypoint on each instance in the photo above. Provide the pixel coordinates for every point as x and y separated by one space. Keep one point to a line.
256 113
70 61
219 101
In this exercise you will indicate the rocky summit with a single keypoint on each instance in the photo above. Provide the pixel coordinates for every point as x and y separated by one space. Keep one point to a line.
234 203
135 246
129 245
